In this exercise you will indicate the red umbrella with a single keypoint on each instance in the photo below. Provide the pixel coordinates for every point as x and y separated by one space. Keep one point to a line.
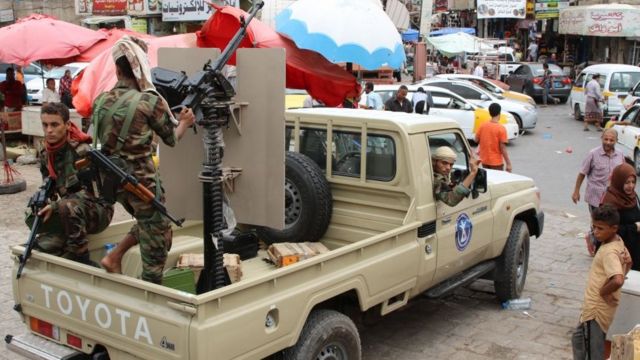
100 75
39 37
111 36
306 69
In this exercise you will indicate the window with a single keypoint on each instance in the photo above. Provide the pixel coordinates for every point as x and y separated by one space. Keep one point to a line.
631 115
345 152
446 101
623 81
455 142
636 90
522 70
580 80
467 92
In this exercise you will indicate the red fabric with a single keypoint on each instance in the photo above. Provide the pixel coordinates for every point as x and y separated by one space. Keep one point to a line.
100 75
13 93
39 37
74 134
305 69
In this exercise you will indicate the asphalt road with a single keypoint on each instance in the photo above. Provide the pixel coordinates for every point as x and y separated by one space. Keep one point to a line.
469 324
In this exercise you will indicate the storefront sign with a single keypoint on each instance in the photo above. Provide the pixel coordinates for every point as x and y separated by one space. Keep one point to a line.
495 9
531 6
109 7
144 7
549 9
139 25
441 5
6 15
191 10
595 21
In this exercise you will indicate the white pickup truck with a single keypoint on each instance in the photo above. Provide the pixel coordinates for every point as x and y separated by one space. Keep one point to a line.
389 240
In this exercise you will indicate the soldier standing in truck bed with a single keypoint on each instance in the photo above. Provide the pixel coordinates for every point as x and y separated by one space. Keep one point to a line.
125 120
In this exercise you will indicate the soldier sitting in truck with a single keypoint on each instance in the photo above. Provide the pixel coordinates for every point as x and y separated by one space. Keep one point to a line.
77 211
443 188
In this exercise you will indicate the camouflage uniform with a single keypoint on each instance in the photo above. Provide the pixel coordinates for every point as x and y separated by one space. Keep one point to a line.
445 192
152 230
76 212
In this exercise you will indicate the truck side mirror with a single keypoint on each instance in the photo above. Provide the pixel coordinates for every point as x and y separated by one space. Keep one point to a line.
480 182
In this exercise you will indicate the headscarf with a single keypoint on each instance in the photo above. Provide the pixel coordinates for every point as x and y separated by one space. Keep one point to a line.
615 194
74 134
445 153
135 50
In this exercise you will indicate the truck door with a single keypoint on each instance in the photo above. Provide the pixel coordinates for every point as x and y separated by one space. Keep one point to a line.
464 231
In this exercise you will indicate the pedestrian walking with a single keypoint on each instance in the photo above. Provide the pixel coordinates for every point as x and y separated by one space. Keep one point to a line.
621 193
597 168
400 103
533 51
547 83
492 141
65 89
126 119
423 101
593 98
602 293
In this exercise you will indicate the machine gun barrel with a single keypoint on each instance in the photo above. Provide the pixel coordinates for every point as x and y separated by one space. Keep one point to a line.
36 203
237 38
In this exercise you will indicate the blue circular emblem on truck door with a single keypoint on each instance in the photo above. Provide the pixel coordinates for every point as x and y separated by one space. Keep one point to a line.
464 227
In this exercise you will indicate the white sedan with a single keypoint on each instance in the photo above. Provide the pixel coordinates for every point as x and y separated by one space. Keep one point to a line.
526 115
447 104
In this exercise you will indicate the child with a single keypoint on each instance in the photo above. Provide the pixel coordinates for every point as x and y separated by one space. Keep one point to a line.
606 276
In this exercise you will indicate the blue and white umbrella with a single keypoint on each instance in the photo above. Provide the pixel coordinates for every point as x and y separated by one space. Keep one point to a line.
356 31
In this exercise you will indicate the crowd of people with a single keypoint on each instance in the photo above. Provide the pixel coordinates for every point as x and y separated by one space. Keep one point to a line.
14 90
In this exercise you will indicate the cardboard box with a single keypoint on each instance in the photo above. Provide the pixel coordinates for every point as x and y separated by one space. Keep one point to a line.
12 121
234 266
283 254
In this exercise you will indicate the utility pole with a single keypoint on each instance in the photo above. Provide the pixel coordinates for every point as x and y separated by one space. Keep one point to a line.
425 18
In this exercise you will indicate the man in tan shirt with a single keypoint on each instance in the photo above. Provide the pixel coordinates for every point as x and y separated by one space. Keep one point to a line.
601 296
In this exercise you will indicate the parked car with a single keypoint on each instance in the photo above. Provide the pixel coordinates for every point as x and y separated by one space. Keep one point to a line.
616 80
632 97
30 72
450 105
527 79
525 114
628 128
35 87
490 86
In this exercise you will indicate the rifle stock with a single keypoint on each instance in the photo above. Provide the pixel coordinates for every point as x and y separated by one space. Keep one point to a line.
36 203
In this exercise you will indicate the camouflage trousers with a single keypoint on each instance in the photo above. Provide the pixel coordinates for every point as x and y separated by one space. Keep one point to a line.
74 216
153 233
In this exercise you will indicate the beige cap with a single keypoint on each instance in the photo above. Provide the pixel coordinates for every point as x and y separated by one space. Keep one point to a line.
445 153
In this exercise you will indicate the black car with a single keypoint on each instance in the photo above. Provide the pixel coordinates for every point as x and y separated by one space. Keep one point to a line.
527 79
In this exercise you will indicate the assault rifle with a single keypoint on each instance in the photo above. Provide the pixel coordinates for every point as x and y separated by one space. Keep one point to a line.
37 202
127 182
182 91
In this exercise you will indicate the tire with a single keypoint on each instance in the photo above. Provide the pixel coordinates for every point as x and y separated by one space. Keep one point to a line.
511 269
576 112
14 187
327 334
636 161
519 121
308 203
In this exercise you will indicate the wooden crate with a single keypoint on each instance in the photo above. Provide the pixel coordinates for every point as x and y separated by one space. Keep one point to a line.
283 254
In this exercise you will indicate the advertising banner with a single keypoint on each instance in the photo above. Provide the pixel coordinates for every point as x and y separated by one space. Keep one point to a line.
595 21
109 7
549 9
144 7
498 9
191 10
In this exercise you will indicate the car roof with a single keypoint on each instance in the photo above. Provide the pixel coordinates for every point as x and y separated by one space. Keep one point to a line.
414 88
609 68
409 123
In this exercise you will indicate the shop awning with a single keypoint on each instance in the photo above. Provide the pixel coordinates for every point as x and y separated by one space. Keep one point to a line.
458 43
450 30
610 20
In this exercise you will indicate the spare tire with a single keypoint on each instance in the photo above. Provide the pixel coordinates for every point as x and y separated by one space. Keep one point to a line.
308 203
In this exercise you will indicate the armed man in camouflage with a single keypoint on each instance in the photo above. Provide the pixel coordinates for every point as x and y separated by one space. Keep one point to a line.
450 194
125 120
77 211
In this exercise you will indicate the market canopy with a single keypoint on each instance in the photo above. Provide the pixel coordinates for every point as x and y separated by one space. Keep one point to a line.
617 20
450 30
458 43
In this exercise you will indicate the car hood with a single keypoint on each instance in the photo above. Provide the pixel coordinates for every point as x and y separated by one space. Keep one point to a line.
502 183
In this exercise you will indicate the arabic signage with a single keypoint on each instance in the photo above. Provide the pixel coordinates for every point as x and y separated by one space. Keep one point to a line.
6 15
582 20
549 9
109 7
191 10
144 7
497 9
84 7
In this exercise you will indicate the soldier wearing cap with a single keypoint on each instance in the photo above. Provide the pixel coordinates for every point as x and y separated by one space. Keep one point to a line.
444 190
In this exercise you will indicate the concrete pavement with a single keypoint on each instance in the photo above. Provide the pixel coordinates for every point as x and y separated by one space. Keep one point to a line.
468 324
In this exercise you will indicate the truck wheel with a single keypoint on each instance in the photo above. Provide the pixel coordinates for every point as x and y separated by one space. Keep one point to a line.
511 269
308 203
327 334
